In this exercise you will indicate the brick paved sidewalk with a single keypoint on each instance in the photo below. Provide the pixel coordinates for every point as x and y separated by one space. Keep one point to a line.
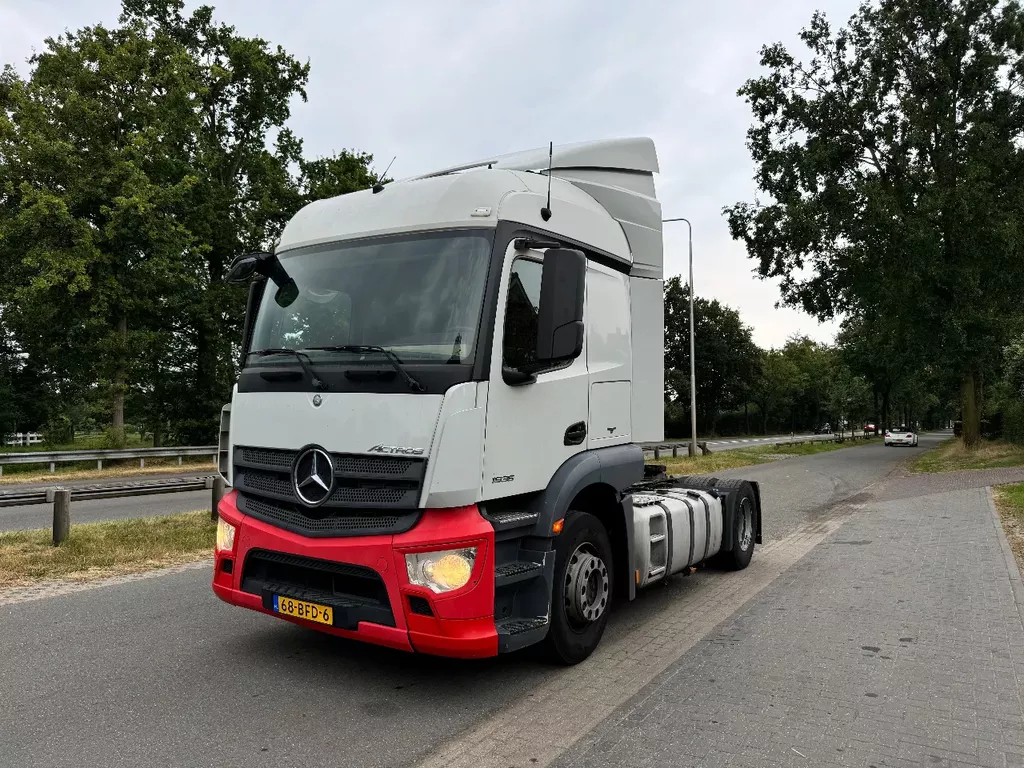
896 642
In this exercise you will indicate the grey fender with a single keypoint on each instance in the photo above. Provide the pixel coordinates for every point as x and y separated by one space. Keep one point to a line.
609 470
618 466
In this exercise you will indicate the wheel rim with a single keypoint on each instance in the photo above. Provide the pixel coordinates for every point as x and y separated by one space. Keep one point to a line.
586 586
746 521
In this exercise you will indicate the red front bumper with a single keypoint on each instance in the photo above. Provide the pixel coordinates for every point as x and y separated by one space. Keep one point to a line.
462 624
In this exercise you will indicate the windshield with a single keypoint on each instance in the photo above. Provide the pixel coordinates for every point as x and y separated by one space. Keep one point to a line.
419 297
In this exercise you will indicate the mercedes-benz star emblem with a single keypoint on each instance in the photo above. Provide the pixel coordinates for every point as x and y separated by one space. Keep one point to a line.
317 400
313 477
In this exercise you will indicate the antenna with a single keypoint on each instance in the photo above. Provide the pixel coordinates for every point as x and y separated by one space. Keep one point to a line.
545 212
379 186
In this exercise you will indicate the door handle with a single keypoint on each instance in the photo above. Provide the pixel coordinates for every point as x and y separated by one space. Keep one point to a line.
576 433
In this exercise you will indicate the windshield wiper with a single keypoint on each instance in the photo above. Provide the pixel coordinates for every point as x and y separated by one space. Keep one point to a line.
317 382
391 357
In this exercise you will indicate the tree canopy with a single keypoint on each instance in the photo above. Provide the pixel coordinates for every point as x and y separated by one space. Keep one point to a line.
137 161
890 161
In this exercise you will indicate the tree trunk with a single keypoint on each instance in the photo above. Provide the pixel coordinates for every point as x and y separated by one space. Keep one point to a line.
746 418
874 412
971 434
885 409
979 399
117 409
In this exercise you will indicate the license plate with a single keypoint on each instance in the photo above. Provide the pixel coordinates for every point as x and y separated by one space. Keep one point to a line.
288 606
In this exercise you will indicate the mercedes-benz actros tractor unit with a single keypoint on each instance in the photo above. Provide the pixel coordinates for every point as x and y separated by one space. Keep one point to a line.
435 440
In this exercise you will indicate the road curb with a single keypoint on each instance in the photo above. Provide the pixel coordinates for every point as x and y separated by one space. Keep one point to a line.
57 588
1012 571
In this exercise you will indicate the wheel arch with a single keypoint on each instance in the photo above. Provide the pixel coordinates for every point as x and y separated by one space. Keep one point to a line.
599 479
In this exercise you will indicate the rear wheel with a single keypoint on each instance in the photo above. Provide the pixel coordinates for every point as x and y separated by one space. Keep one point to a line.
582 589
744 530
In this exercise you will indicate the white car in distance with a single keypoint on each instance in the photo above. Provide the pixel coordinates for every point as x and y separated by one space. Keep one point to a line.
901 436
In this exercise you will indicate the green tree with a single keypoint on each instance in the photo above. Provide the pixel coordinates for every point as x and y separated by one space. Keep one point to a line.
726 355
814 362
135 164
251 178
91 223
775 387
891 167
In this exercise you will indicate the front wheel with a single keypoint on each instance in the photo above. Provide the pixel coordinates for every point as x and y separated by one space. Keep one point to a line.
582 590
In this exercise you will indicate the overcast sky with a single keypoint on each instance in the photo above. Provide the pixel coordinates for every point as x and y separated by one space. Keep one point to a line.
441 82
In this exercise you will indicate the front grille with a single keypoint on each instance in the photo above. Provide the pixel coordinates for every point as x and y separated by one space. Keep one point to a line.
371 495
324 521
265 457
279 486
357 593
371 465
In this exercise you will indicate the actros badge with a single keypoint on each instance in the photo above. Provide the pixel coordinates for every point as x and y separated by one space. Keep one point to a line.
397 449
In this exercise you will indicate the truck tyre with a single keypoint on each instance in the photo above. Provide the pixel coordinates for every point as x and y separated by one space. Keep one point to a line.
581 595
744 530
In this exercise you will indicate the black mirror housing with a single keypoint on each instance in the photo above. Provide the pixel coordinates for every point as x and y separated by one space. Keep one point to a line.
242 268
560 315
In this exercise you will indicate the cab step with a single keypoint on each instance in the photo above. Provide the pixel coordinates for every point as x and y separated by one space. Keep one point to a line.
504 521
517 633
518 626
522 570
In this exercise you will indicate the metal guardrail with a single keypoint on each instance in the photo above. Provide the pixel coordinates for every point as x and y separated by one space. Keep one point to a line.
53 458
833 438
31 496
61 498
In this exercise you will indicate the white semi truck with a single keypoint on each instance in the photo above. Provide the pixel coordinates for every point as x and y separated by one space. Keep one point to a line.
434 440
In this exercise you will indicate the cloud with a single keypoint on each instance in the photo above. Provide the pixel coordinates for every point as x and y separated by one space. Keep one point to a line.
446 82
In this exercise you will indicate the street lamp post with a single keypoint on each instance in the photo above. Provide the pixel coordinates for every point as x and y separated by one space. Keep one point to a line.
693 367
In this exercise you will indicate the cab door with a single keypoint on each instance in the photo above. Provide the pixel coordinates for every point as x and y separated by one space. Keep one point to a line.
532 426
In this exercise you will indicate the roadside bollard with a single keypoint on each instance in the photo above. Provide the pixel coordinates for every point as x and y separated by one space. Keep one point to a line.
218 494
61 515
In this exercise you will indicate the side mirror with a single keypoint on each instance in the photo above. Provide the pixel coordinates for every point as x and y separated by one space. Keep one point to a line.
243 267
560 313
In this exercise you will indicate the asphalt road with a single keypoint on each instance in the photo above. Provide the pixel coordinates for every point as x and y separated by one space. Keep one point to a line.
158 672
40 515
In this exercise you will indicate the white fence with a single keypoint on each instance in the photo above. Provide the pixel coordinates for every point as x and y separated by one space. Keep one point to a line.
24 438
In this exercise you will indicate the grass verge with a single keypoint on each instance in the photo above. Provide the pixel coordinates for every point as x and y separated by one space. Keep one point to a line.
12 475
745 457
1010 503
951 456
97 550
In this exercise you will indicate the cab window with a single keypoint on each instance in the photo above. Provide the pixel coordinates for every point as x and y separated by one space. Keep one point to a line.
521 310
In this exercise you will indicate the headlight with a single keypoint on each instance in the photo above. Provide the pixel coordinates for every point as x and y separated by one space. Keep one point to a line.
441 571
225 535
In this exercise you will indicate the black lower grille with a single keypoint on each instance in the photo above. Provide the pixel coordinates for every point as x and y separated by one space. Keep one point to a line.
356 593
420 606
327 521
